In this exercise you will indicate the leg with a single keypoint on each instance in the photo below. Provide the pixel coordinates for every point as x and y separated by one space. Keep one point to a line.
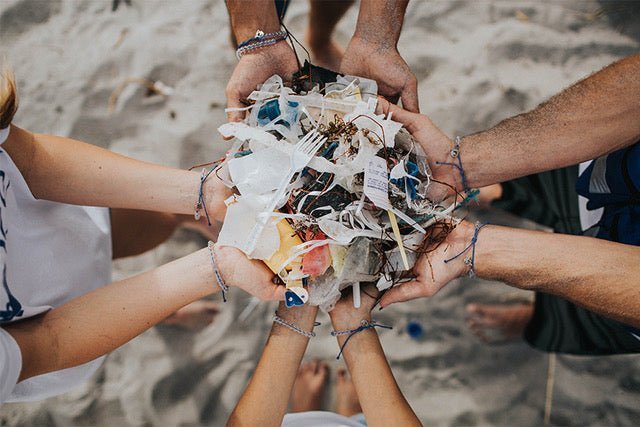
323 18
195 316
498 323
347 402
134 232
560 326
308 389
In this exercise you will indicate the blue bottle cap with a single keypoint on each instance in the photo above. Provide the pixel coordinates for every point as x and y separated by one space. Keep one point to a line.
414 329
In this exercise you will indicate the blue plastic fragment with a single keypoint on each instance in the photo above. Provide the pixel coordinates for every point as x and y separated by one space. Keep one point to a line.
242 153
328 152
409 184
291 299
415 330
268 112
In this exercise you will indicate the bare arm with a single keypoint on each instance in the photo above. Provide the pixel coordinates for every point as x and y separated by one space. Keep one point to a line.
373 51
595 116
369 368
102 320
258 65
265 400
599 275
247 16
69 171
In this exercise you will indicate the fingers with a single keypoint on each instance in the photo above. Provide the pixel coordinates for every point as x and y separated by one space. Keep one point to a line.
404 292
233 101
274 293
409 96
407 118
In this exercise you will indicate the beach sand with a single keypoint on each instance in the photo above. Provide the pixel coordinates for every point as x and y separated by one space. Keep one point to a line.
477 62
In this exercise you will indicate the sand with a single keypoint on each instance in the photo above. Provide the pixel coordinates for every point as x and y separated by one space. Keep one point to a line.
477 62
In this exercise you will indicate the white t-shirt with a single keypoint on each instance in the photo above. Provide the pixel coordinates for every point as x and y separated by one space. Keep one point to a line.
319 419
49 253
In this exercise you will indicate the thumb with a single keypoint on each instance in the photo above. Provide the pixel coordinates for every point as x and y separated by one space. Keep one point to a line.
409 96
233 101
234 116
274 292
403 292
407 118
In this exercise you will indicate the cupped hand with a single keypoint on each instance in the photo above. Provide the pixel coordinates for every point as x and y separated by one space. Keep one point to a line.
253 69
250 275
431 272
436 145
384 65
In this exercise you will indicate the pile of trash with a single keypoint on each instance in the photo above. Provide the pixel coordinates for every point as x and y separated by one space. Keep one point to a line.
329 194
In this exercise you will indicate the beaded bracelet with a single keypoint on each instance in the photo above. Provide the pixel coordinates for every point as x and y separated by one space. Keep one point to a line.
470 260
280 321
200 203
455 154
216 272
364 324
260 40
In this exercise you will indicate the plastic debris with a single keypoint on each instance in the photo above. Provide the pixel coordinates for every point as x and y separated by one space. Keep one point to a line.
357 212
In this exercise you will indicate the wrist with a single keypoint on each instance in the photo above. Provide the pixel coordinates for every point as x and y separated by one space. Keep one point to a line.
450 166
305 314
365 40
215 192
345 321
459 239
497 256
224 262
249 29
298 321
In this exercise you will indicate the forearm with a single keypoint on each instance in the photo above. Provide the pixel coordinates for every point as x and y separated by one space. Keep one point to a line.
599 275
372 377
248 16
380 21
68 171
98 322
595 116
265 399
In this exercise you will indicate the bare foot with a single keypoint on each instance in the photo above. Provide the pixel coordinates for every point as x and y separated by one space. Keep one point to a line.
195 316
347 402
498 323
308 389
201 226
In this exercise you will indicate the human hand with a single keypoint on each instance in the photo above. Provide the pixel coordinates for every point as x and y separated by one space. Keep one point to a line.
437 146
431 272
345 316
216 192
383 64
303 316
252 276
253 69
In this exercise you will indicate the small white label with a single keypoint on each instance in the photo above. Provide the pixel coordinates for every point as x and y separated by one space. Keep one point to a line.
376 182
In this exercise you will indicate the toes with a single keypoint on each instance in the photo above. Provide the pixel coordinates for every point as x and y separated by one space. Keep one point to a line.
323 369
342 374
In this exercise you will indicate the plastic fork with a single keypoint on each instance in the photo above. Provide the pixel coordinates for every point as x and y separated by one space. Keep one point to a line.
302 154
